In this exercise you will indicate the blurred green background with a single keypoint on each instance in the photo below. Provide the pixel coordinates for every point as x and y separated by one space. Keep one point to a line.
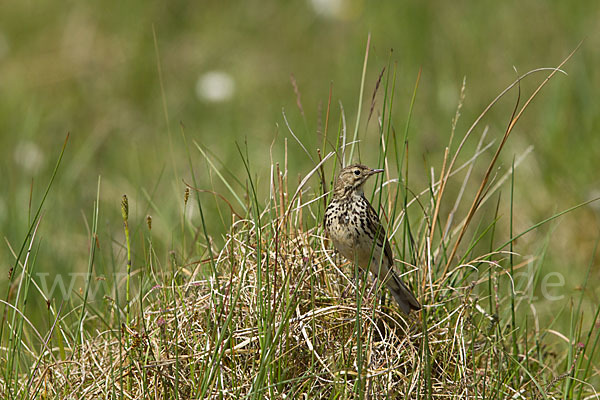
90 68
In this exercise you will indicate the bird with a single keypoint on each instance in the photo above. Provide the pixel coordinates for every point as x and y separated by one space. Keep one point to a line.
355 230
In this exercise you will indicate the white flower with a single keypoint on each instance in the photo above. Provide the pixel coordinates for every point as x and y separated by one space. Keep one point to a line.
215 86
29 156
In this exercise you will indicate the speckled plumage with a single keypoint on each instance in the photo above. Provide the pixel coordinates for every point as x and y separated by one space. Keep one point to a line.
353 226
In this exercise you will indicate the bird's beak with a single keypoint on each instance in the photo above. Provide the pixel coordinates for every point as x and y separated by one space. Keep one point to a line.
375 171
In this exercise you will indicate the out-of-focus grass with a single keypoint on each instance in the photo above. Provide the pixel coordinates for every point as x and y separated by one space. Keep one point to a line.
91 69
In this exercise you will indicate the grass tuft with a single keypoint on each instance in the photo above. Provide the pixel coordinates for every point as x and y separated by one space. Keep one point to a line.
275 313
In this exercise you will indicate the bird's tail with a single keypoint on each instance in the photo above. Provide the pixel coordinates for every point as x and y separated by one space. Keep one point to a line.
402 294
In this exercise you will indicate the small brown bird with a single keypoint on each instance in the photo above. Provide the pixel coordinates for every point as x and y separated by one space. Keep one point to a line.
356 232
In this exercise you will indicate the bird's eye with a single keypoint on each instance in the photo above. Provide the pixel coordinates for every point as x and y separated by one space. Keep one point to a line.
356 172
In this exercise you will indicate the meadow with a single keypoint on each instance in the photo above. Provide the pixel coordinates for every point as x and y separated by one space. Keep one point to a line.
166 166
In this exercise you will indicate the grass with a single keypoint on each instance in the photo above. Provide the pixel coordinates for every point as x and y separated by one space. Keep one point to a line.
275 313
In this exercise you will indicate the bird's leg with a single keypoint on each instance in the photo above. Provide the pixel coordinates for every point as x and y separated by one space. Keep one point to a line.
379 293
355 281
347 289
373 288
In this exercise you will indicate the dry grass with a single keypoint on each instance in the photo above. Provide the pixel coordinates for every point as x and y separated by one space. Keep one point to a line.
280 320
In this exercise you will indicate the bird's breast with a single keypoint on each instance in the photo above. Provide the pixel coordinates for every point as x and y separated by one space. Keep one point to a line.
347 225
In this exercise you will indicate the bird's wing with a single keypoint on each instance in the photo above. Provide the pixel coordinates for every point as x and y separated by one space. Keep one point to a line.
381 236
402 293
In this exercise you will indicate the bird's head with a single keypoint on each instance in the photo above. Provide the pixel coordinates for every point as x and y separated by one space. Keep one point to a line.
352 178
